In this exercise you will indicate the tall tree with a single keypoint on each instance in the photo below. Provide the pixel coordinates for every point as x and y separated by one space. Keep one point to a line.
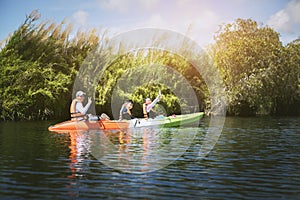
38 66
243 51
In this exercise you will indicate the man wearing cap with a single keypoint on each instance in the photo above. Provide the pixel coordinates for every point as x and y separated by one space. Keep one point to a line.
77 110
148 105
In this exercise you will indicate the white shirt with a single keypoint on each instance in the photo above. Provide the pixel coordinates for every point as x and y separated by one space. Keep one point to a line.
148 107
81 109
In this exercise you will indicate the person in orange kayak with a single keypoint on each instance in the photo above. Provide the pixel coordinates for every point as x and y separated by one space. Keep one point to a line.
125 111
148 105
77 110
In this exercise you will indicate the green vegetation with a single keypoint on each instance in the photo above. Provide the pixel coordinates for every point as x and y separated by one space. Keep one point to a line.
38 65
260 74
40 61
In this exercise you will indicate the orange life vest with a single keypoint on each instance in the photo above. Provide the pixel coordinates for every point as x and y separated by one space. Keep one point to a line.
146 115
73 112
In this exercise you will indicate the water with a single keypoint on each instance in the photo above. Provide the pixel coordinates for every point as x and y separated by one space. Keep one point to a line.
255 158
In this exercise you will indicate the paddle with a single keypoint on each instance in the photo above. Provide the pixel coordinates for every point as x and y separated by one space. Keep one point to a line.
136 121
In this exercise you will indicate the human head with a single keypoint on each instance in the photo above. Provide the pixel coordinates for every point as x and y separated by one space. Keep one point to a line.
148 101
80 95
129 104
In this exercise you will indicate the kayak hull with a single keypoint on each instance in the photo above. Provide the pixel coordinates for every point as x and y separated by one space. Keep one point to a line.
171 121
89 125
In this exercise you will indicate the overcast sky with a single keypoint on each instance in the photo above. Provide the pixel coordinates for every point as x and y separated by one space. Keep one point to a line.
198 19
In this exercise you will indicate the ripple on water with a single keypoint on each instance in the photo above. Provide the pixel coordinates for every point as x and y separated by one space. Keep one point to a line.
255 158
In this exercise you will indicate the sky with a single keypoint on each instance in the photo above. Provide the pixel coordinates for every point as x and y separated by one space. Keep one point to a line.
197 19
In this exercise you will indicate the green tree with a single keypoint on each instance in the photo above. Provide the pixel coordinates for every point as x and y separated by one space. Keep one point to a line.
245 52
142 77
284 81
38 65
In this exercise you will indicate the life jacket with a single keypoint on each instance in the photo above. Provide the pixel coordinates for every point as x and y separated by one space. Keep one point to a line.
73 112
146 114
150 114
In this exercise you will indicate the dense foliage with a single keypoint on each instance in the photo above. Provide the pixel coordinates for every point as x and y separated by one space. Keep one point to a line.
137 77
260 74
38 66
40 61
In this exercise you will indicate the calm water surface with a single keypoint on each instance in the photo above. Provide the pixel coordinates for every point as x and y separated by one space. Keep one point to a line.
255 158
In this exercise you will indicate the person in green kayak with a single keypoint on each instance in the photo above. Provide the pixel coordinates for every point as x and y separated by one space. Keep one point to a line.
148 105
125 111
77 110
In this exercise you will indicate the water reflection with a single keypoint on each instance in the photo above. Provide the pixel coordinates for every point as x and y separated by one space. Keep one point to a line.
77 151
255 158
132 150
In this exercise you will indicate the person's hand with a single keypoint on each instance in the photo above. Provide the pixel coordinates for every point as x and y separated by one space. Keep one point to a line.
90 100
159 95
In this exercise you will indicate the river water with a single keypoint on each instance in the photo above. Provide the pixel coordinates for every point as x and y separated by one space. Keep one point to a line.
254 158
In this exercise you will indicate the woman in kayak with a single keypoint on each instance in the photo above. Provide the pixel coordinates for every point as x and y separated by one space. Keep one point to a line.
77 110
125 112
148 105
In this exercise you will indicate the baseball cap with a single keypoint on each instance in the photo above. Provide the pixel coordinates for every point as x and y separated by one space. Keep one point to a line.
79 94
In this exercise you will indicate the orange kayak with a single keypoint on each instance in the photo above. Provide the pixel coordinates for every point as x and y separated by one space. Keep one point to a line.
89 125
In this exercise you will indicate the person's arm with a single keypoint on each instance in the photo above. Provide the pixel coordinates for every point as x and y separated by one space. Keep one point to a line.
73 106
150 106
121 112
81 109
